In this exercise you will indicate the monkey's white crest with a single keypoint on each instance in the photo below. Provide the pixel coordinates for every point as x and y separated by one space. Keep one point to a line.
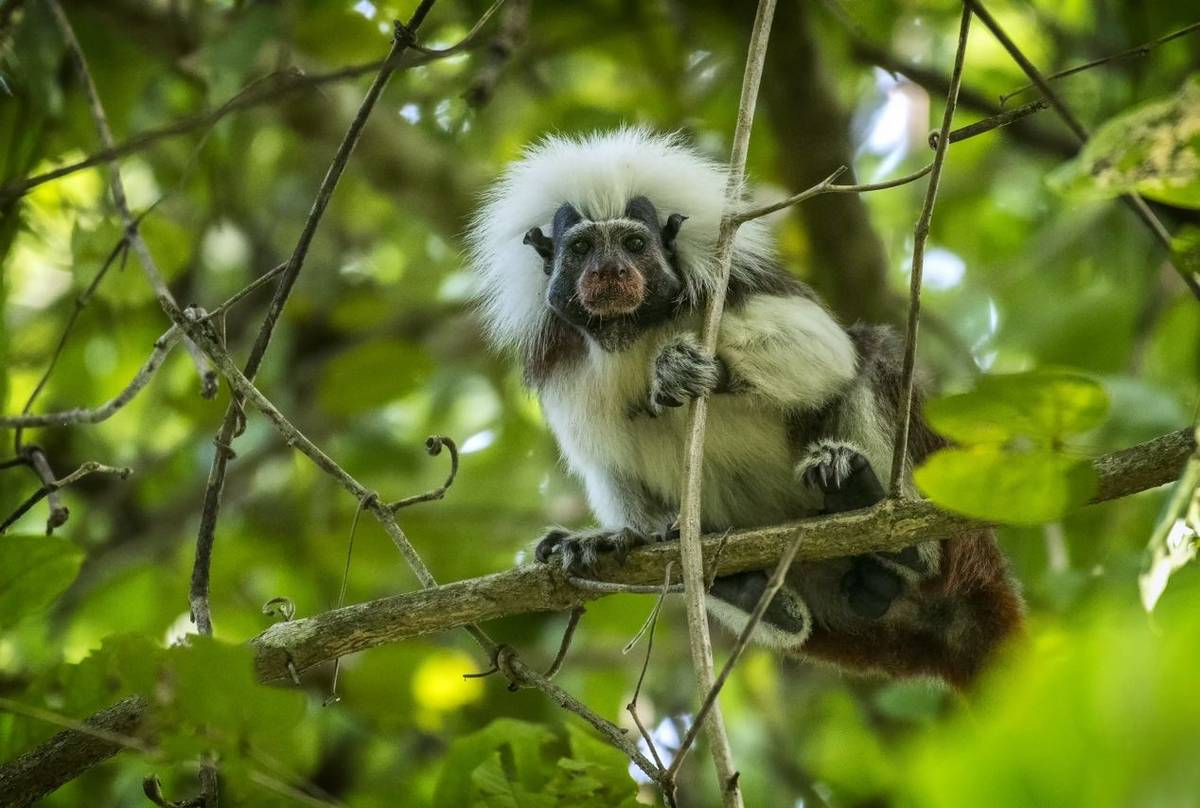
599 174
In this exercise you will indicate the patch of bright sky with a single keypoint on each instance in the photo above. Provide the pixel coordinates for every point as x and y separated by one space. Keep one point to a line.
889 127
365 8
478 442
410 112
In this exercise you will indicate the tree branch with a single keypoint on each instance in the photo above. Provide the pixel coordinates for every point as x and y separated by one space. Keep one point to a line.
309 641
892 525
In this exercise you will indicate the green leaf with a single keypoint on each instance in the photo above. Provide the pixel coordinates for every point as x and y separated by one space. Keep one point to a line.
34 570
1044 405
1185 250
495 789
987 482
1153 149
522 740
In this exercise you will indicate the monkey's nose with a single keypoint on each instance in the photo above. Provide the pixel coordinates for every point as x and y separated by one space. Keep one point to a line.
611 272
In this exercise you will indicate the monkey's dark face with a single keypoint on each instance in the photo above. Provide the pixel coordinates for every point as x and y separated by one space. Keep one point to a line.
612 277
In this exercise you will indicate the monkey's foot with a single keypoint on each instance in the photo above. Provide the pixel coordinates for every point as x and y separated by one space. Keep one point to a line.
870 587
842 473
579 552
787 611
681 372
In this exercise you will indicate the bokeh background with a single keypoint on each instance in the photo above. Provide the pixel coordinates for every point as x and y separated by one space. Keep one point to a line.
378 349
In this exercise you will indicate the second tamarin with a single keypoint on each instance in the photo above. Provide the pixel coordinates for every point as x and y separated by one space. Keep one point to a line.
595 258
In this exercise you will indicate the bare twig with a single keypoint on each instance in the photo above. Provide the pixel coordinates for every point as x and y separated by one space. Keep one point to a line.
122 250
94 415
921 235
333 696
689 522
988 124
647 630
565 645
162 347
208 379
1077 128
198 593
764 601
59 513
433 445
612 588
90 467
1137 50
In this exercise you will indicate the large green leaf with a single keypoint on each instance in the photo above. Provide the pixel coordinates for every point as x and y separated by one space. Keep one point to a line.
34 570
1153 149
523 740
988 482
1043 405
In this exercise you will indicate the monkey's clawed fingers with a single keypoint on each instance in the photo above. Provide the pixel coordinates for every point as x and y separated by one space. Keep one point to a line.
682 371
579 553
842 473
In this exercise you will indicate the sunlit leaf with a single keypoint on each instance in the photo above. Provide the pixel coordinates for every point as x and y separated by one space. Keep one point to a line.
987 482
34 570
1044 405
1153 149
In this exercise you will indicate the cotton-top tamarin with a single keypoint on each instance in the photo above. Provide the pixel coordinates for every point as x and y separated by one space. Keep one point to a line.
595 258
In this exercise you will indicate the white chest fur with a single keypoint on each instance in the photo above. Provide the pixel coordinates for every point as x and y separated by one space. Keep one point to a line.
748 465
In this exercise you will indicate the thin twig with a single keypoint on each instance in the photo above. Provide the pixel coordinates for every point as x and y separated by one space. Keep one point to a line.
59 513
921 235
1137 50
1132 199
199 589
90 467
689 522
121 249
994 122
433 445
162 347
565 645
94 415
613 588
333 697
764 601
647 630
208 379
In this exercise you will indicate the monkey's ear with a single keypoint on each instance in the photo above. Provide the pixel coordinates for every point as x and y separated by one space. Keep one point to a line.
671 230
545 247
641 209
565 218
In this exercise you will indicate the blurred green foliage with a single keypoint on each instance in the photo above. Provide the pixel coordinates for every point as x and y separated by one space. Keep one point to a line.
378 349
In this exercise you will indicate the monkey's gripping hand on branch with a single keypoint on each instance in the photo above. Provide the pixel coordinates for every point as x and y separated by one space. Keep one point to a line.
603 310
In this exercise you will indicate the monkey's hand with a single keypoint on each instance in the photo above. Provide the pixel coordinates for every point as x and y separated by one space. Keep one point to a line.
579 552
681 372
843 474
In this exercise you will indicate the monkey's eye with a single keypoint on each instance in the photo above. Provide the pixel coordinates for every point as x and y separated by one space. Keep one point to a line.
635 244
580 246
